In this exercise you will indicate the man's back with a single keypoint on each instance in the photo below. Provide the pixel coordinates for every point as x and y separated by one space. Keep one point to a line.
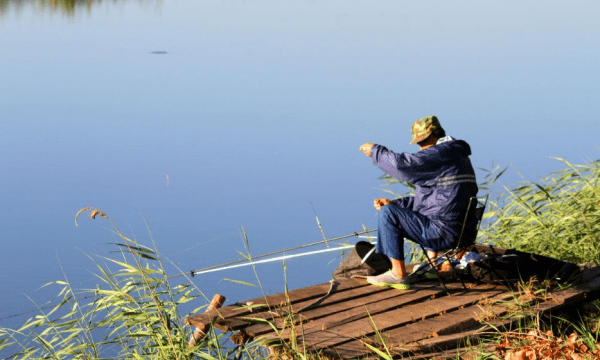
443 176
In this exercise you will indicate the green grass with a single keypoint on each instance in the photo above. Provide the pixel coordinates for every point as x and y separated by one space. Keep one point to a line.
558 216
132 313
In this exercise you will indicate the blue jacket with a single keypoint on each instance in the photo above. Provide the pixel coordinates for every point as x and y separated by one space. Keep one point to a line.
444 179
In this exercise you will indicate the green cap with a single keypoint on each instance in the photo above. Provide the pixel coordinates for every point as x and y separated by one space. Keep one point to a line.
423 127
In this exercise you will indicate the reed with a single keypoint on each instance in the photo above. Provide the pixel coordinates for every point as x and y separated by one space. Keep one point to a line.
558 216
132 313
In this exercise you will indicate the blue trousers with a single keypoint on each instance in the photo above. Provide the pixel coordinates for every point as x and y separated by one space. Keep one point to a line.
396 223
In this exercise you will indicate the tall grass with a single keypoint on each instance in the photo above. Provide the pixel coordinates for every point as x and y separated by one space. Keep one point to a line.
132 313
558 216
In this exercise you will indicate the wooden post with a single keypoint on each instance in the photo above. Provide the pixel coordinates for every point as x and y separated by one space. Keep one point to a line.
200 332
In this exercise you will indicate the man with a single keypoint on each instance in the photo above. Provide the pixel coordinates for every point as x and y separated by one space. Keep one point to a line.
444 180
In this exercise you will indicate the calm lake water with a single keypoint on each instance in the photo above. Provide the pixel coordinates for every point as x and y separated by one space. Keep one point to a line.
255 111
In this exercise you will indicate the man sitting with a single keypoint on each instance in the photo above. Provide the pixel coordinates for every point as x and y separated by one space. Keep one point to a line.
444 179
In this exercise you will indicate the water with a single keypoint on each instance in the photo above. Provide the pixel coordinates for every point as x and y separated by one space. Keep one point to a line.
256 111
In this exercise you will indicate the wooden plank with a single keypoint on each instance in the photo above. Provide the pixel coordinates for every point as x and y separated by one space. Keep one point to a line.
354 307
404 300
346 297
445 344
558 300
343 301
298 295
393 318
452 341
424 309
450 323
340 300
347 351
443 324
307 293
375 305
353 351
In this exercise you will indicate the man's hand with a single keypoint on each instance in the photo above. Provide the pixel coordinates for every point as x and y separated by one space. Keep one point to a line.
379 203
366 148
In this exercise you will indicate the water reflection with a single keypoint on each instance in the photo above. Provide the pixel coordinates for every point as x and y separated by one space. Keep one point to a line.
66 7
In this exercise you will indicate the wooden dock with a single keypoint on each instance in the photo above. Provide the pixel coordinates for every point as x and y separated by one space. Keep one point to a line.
347 318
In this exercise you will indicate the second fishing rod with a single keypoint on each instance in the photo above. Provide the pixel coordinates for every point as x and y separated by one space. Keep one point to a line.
355 234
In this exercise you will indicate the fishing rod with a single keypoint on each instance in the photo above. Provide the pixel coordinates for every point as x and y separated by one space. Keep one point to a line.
285 257
251 261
